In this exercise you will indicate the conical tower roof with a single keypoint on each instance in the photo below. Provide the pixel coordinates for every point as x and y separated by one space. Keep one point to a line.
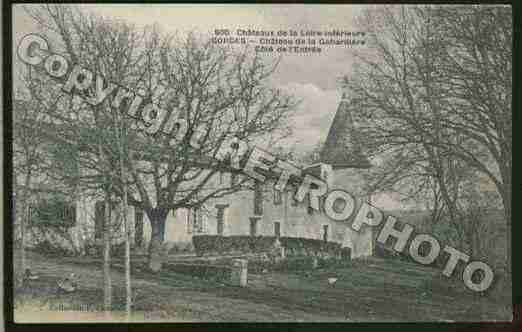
342 148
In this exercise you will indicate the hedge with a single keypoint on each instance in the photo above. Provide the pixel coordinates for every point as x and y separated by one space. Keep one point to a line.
205 244
216 244
297 246
298 263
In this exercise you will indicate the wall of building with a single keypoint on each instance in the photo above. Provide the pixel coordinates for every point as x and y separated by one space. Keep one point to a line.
295 220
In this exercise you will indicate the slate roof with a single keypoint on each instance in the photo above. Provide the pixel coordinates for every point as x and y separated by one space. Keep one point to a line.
342 148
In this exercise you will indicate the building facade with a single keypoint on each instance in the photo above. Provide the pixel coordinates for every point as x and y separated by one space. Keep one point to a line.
261 211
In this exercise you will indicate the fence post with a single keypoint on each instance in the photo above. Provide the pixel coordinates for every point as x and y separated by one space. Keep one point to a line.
239 274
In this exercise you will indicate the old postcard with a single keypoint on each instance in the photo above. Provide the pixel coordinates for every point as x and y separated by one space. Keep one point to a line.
261 163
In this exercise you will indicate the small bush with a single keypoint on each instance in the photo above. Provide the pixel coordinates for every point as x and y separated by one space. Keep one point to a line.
92 249
118 250
294 264
45 247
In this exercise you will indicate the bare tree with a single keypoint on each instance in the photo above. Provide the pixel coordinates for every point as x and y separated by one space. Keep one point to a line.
434 102
28 157
222 90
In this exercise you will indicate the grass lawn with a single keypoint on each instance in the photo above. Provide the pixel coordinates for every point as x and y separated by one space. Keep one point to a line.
369 290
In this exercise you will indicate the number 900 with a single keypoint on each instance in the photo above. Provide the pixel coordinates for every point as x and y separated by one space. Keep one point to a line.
221 32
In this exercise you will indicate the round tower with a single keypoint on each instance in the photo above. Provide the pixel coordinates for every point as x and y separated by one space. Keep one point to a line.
343 152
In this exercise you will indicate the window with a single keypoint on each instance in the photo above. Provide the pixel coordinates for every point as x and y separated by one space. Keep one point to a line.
258 199
220 222
253 226
67 213
278 197
221 218
138 226
197 221
190 221
277 229
233 179
325 233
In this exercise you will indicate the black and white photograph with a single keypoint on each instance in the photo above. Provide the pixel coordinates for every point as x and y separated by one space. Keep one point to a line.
260 162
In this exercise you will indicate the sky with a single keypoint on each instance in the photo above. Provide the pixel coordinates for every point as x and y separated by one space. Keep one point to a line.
312 78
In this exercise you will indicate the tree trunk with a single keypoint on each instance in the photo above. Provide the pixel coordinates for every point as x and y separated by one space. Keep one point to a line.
25 220
107 283
128 289
157 218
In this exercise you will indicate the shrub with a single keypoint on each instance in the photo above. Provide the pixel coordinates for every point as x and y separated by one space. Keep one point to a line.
296 246
236 243
384 251
216 244
54 211
181 247
262 243
205 243
203 271
118 250
46 247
